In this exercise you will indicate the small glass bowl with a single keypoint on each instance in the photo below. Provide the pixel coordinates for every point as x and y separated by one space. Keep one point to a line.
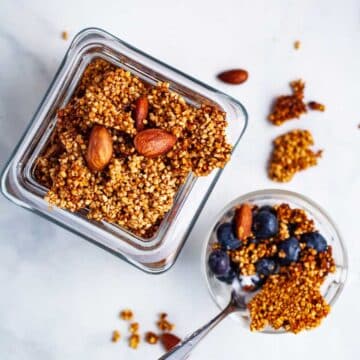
334 283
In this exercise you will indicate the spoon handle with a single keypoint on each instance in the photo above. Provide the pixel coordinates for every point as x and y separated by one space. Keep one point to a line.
183 349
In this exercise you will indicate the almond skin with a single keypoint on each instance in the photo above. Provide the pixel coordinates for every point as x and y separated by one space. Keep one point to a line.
154 142
169 340
100 148
243 221
141 112
235 76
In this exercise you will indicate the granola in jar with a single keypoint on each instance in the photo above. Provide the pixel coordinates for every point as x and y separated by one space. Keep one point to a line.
92 161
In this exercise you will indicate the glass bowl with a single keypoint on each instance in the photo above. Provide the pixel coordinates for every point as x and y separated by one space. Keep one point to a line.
18 183
334 283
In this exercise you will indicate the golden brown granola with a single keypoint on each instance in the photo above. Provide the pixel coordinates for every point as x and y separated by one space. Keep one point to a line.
249 254
126 315
163 324
291 154
313 105
151 338
115 336
134 341
132 191
289 107
297 44
292 298
65 35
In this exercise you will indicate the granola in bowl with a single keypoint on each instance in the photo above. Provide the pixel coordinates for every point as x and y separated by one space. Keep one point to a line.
98 158
284 252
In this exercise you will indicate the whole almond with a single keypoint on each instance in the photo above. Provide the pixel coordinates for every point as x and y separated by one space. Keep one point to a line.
140 112
154 142
234 76
243 221
100 148
169 340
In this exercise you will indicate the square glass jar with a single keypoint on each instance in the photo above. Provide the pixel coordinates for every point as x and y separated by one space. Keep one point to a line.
18 182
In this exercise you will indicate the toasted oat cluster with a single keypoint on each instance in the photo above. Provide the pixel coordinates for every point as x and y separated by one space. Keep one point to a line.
129 189
314 105
292 299
287 107
291 154
283 259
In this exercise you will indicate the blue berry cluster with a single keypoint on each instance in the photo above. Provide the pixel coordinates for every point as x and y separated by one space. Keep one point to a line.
265 225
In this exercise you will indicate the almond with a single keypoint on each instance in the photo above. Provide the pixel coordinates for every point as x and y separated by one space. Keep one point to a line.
100 148
243 221
140 112
154 142
235 76
169 340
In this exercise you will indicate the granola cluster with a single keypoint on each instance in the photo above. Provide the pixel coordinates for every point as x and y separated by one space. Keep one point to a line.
291 154
287 107
133 191
292 299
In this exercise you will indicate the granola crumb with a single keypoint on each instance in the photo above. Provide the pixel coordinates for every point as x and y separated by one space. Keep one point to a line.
134 328
151 338
291 154
297 44
134 341
163 324
287 107
313 105
115 336
64 35
126 314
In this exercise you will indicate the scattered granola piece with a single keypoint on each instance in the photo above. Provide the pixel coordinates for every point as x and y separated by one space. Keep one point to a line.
151 338
297 44
313 105
115 336
65 35
134 328
163 324
134 341
289 107
126 314
291 154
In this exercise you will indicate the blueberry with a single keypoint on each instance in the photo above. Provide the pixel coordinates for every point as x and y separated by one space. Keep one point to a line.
265 225
265 267
315 240
227 238
267 208
219 262
228 277
292 250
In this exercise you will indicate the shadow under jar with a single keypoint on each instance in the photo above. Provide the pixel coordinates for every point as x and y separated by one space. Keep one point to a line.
19 183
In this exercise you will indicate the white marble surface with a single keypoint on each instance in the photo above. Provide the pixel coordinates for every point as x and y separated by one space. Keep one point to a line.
59 295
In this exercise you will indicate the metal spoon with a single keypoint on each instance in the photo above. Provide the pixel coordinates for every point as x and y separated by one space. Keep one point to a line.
238 302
